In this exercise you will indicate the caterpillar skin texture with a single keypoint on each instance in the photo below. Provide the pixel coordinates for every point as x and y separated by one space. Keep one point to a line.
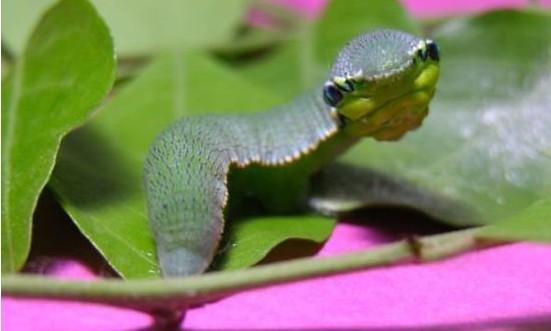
380 86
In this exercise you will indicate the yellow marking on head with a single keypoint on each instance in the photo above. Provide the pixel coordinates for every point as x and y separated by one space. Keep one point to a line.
427 78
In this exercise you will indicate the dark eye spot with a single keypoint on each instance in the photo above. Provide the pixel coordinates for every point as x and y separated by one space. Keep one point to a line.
346 86
331 95
432 51
422 54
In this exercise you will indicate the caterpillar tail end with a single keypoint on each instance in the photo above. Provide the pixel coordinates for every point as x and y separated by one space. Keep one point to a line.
185 191
180 262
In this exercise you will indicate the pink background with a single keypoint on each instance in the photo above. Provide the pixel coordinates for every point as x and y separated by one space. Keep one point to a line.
504 288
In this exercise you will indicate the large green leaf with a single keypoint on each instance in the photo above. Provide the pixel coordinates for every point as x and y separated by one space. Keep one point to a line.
98 177
486 143
485 147
140 26
66 69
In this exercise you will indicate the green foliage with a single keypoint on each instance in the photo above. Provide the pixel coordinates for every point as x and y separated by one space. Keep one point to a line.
140 26
532 223
250 240
482 149
106 201
485 147
112 214
64 72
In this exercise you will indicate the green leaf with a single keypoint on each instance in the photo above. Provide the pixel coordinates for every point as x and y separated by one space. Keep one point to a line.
304 62
251 239
140 27
98 177
484 149
533 223
66 69
485 145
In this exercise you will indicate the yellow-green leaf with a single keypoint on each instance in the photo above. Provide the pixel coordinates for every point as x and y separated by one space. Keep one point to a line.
65 71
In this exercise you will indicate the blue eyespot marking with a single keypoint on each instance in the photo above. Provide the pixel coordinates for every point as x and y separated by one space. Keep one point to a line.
331 95
432 51
422 54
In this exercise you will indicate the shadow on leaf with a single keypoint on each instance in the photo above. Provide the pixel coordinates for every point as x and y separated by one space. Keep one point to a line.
90 172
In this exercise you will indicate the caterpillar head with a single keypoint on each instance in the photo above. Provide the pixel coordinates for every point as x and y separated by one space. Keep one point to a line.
382 82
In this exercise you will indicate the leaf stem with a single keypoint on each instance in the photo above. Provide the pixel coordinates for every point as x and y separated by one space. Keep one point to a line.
180 293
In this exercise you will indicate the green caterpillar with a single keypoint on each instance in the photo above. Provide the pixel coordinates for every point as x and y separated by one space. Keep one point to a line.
380 86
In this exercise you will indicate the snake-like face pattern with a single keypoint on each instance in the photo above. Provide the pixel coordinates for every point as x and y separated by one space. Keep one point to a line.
382 82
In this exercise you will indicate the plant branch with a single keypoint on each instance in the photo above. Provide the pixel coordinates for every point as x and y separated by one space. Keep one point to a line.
180 293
